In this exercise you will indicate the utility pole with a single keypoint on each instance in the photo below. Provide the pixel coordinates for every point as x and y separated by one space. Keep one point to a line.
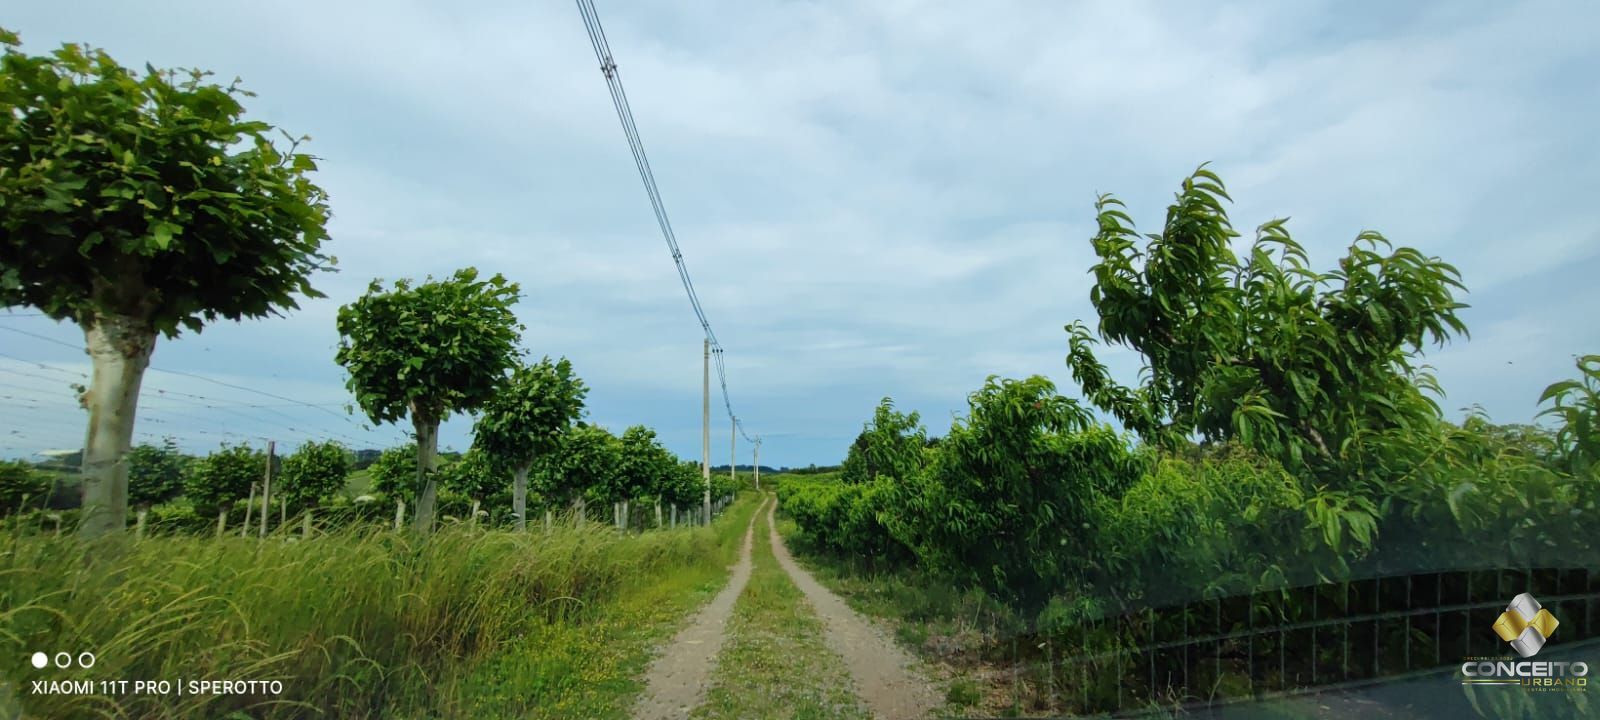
758 463
733 452
266 489
705 430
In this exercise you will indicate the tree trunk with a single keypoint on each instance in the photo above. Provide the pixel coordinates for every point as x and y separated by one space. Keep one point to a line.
427 485
119 349
519 496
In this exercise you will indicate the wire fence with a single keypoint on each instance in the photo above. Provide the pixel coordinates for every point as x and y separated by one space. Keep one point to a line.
1299 640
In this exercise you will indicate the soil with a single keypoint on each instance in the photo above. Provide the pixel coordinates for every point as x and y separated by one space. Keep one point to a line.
676 682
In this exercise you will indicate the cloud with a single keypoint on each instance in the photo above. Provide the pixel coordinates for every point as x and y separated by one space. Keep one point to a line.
888 198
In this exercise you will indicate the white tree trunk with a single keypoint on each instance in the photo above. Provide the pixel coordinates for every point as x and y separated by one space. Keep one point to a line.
519 496
627 515
658 514
427 485
119 350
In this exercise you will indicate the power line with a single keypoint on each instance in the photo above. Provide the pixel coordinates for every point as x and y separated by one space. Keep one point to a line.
289 400
619 99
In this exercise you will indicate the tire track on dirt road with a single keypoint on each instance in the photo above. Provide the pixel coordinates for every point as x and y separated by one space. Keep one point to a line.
884 674
676 682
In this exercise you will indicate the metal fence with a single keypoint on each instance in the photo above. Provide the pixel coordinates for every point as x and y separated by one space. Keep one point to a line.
1303 639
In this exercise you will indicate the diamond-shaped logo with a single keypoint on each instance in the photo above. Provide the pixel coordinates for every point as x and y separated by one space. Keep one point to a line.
1526 625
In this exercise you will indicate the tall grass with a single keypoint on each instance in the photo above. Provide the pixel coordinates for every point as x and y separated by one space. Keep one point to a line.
358 623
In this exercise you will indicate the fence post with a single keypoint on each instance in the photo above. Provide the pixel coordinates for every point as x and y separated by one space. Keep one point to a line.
266 488
249 506
222 523
138 526
547 520
474 521
305 526
658 514
627 514
399 513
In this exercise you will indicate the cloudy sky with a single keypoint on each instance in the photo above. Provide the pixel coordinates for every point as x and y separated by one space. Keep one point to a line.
875 199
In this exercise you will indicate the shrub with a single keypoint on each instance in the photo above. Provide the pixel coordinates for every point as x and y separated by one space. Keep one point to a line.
19 481
155 473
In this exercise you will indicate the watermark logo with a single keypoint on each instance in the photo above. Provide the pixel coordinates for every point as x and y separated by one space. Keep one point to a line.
1526 625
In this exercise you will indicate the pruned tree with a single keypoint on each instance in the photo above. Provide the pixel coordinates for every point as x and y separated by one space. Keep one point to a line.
155 473
475 475
394 473
644 466
312 472
526 419
1298 364
218 480
584 466
428 351
138 205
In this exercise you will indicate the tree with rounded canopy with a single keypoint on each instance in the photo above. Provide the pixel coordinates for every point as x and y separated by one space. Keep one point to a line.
526 419
394 473
582 468
644 465
428 351
475 475
138 205
155 473
683 485
312 472
222 478
1300 365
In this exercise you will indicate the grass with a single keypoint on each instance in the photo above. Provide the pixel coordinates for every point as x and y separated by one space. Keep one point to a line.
362 622
358 483
774 663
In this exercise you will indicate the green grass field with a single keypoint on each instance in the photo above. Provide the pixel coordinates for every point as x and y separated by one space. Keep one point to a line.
362 622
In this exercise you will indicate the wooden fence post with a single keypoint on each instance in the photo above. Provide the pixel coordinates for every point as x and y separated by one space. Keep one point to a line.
222 523
399 513
658 514
138 526
266 488
547 520
475 505
305 526
249 505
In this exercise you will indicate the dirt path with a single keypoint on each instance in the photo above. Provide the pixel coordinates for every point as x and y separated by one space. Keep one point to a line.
676 682
883 673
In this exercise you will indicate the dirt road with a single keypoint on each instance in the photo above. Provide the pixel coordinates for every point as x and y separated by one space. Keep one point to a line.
676 682
885 676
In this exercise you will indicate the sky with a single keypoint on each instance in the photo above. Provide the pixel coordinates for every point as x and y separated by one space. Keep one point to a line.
884 199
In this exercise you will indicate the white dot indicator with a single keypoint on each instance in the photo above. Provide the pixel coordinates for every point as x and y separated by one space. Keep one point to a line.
40 660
